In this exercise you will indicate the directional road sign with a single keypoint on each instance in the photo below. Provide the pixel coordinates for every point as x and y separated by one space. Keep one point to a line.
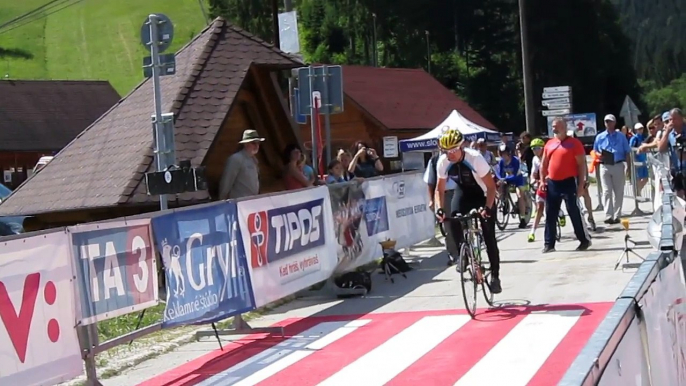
548 102
167 65
548 113
331 93
558 106
551 95
557 89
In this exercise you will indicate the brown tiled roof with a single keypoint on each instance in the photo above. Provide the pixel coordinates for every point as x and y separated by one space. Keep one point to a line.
45 115
401 98
105 165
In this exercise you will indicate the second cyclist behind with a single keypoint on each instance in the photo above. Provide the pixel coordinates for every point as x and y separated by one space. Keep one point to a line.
475 190
509 173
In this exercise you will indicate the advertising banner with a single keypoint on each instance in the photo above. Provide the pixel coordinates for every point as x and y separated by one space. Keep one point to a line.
409 216
290 242
38 341
665 317
115 267
205 266
360 220
628 365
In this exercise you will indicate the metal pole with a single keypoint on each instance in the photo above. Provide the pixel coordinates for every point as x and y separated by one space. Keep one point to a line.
374 60
313 127
275 23
526 70
160 146
428 53
288 5
326 105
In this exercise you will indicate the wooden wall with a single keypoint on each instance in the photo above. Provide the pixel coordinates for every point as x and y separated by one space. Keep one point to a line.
20 164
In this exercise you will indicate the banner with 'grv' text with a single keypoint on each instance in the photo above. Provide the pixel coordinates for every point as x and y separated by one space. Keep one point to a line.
205 265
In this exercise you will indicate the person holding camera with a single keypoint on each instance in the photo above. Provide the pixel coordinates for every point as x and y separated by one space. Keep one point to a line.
365 163
672 142
614 150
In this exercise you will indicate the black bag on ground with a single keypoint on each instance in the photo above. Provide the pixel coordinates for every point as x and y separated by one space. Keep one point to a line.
355 279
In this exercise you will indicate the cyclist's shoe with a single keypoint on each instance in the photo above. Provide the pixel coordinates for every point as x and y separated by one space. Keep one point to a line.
532 238
522 224
451 260
548 249
563 220
495 285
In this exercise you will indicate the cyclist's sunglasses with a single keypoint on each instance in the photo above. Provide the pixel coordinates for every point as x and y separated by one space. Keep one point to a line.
536 148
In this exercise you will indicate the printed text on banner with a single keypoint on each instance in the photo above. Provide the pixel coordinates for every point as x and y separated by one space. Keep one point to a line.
204 263
290 242
360 218
411 221
116 268
38 342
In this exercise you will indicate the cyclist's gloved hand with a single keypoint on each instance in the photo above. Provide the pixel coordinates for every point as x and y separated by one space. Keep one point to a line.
440 214
485 213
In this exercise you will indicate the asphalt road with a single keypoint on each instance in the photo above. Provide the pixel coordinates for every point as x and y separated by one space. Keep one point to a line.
415 329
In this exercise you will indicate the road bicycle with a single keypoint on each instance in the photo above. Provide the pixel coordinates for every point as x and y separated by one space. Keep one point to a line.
506 207
474 275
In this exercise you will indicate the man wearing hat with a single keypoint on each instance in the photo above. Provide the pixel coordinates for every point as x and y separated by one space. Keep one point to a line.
672 143
614 150
241 172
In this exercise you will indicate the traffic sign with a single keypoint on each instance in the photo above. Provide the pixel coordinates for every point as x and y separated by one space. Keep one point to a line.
167 65
548 102
551 95
548 113
317 99
165 32
331 93
557 89
557 106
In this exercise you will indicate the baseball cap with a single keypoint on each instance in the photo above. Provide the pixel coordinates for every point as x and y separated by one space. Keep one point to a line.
639 125
665 116
480 140
610 117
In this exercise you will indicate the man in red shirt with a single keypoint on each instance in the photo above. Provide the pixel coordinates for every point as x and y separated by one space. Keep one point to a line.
563 172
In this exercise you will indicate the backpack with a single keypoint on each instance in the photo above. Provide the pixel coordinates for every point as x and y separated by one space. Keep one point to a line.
354 279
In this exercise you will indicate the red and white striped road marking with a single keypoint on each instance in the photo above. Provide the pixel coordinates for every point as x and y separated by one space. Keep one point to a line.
524 346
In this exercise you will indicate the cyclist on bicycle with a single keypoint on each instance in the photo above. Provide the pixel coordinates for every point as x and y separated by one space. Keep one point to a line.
508 173
475 190
535 181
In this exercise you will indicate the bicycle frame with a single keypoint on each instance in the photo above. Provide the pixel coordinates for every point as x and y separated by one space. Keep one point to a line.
472 237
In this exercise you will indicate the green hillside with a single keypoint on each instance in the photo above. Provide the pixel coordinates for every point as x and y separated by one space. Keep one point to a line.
92 39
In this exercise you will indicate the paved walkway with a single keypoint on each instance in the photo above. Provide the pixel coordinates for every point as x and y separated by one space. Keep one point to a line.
416 330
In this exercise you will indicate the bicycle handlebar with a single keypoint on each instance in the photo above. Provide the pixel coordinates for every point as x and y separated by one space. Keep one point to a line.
473 214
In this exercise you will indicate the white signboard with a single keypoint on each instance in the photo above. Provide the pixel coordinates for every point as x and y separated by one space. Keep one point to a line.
559 106
584 125
551 95
548 113
557 89
390 147
289 41
38 342
548 102
317 99
289 240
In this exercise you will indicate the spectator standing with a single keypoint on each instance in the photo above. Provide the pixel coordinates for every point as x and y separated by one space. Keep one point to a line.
345 157
614 150
487 154
335 172
641 170
527 153
366 162
563 175
306 169
293 177
672 142
241 172
431 180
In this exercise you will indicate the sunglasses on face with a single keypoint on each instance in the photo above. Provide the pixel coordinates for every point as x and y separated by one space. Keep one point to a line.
536 148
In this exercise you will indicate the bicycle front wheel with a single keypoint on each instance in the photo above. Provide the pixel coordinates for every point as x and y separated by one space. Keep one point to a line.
485 278
468 280
502 215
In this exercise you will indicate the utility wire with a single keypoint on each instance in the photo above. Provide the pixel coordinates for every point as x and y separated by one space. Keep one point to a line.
28 14
43 15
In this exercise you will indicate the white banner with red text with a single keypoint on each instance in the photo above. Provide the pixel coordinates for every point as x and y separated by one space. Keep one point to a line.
665 317
289 242
38 341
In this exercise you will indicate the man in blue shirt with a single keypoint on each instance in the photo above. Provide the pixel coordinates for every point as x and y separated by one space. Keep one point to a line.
640 158
431 180
614 150
508 172
670 142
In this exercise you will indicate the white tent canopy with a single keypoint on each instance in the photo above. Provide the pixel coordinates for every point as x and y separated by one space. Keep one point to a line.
469 129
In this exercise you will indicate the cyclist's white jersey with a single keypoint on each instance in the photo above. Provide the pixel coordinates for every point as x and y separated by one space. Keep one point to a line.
535 168
472 160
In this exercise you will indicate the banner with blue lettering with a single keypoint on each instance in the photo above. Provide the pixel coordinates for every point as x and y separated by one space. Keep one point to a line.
115 267
204 263
290 242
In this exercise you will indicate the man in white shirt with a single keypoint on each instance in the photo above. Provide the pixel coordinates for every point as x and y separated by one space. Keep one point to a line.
475 189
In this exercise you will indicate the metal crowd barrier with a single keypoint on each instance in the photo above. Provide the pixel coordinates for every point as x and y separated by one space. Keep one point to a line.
595 358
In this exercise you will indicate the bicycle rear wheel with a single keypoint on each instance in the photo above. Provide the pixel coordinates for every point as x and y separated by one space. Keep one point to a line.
468 280
502 209
441 227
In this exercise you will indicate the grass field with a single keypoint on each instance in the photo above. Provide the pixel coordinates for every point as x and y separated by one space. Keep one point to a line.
93 39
